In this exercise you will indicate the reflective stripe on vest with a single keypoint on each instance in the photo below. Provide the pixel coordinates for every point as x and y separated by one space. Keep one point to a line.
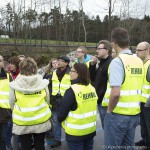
127 105
146 96
130 90
146 85
82 116
29 119
31 109
80 127
82 121
4 93
126 92
60 87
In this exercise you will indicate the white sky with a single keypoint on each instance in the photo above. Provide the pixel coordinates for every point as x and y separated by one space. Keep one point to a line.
93 7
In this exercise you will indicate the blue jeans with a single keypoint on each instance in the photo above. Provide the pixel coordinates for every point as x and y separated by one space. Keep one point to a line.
57 126
3 136
119 131
102 111
81 145
9 133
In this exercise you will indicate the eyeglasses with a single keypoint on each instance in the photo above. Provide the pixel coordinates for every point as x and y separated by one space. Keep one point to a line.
73 71
101 48
140 50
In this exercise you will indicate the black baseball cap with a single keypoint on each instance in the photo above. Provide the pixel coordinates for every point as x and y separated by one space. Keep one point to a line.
65 58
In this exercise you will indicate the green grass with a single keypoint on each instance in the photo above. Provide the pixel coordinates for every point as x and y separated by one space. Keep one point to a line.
33 41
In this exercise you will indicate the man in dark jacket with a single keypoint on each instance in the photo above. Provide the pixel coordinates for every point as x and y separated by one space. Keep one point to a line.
99 72
5 113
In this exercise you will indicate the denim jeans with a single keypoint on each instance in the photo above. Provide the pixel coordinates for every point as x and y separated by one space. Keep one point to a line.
3 136
57 126
102 111
9 133
81 145
145 124
119 131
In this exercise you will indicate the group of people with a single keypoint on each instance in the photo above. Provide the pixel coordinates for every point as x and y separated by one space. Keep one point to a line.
117 85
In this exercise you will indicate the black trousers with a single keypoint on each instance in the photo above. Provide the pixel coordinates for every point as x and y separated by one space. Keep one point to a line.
26 141
145 124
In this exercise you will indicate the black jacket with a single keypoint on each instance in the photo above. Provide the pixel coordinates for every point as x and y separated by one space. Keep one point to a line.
53 99
99 77
69 103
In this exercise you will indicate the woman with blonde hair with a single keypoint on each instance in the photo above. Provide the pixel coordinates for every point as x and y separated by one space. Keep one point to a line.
29 101
53 63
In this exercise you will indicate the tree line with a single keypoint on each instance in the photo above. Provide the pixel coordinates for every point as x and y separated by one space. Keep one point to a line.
73 25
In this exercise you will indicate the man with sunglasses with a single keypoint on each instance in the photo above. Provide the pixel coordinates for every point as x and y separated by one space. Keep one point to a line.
143 52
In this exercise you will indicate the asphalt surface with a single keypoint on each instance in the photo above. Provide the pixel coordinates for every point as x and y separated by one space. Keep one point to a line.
98 139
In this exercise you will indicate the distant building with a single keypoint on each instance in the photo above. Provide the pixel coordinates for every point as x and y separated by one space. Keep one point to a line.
4 36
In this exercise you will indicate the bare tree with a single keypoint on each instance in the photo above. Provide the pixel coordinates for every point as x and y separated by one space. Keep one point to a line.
82 19
111 5
65 23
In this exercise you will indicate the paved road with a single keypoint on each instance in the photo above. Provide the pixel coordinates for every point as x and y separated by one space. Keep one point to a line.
98 139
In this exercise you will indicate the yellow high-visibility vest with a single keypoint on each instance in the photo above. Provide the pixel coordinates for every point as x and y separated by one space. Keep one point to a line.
146 85
87 63
4 93
82 121
129 101
31 109
60 87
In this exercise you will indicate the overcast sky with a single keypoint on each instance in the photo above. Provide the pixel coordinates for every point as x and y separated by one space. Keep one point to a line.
95 7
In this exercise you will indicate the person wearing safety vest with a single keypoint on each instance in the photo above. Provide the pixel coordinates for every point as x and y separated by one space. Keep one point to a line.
82 56
78 110
13 69
5 112
122 97
29 101
143 52
59 83
50 68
